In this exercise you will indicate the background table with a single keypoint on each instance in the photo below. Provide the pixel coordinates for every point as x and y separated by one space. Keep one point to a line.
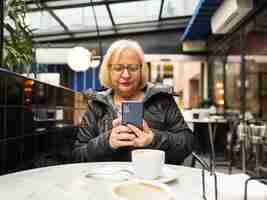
212 127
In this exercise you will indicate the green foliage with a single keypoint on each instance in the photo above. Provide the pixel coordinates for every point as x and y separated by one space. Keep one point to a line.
18 45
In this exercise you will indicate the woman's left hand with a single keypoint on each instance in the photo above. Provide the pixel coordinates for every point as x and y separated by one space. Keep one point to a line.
144 137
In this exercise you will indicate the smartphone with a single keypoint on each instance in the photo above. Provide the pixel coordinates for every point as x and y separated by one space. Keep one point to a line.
132 113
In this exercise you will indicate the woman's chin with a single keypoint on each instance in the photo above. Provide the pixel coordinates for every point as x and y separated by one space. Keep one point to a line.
126 92
126 88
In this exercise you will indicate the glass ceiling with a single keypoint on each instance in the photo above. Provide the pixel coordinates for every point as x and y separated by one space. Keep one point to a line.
62 19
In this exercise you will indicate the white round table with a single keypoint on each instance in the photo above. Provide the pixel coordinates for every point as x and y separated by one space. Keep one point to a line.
69 182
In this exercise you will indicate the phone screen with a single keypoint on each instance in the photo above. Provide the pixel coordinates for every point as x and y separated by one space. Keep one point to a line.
132 113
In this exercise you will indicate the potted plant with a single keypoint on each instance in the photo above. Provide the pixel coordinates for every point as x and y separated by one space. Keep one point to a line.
18 44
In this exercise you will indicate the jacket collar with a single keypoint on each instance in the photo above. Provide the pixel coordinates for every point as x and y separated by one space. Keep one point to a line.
152 89
105 96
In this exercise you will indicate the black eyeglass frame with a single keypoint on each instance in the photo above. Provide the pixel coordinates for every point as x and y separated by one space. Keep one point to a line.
122 67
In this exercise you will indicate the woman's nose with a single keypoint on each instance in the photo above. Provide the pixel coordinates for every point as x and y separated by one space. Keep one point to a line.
125 73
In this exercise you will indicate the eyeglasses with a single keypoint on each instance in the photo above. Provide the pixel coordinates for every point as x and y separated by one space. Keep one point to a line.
122 67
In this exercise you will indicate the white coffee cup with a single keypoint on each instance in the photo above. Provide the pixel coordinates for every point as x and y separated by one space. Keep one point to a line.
148 163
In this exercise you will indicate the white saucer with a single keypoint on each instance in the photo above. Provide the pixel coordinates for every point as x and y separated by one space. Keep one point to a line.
112 172
168 175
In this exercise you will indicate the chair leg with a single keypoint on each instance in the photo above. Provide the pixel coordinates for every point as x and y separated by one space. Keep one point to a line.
230 163
193 162
231 152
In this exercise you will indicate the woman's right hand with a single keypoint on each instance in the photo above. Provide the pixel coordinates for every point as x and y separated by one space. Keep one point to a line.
121 136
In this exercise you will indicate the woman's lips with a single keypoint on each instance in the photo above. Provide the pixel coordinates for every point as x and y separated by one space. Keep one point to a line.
125 83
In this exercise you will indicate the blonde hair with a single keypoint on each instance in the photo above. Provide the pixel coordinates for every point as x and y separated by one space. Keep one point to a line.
119 46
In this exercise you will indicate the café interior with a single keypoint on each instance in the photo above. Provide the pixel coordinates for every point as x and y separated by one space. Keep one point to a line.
211 53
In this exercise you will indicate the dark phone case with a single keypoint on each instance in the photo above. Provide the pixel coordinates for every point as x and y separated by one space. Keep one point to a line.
132 113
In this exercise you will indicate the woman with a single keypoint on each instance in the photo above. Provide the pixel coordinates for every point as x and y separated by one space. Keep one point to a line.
102 137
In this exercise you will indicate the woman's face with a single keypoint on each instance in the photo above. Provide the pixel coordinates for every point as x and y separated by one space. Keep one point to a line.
125 73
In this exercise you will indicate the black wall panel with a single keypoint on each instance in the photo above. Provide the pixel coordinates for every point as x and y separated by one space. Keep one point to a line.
31 132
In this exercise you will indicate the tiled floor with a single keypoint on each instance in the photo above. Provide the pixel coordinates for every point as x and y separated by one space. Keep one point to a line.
224 169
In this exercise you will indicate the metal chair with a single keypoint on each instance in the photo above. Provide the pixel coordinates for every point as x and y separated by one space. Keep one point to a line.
233 141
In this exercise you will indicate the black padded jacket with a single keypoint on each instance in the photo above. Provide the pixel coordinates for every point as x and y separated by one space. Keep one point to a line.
160 112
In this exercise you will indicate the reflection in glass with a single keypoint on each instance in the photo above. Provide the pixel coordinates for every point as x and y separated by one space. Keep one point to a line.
29 150
1 158
2 90
82 18
68 115
1 122
28 123
33 108
68 99
41 22
13 122
60 95
218 66
173 8
14 90
65 2
51 96
39 94
27 88
127 12
13 147
232 85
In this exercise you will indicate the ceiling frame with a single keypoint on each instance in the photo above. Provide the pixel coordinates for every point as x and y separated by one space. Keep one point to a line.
115 28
